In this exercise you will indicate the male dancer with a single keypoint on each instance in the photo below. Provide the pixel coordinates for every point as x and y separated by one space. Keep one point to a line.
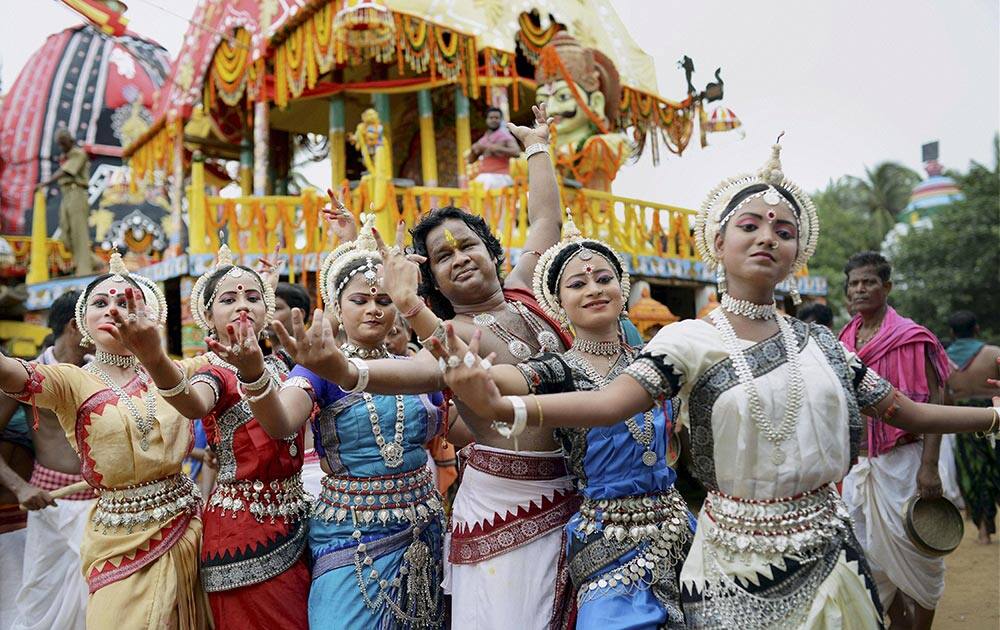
894 465
53 593
977 459
506 567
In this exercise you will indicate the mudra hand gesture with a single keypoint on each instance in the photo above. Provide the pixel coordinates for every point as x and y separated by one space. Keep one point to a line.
527 136
137 329
468 375
243 351
342 222
269 269
400 271
315 349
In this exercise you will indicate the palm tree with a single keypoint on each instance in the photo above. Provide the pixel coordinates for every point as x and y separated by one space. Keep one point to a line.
884 192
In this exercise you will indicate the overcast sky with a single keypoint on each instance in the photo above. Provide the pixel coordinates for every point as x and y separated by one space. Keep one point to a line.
851 82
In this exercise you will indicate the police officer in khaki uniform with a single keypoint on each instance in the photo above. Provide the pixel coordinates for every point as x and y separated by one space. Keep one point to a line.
73 176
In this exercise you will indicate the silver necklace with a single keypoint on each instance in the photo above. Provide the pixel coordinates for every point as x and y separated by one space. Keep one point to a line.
124 361
643 436
547 340
795 386
597 348
391 452
143 423
748 309
353 350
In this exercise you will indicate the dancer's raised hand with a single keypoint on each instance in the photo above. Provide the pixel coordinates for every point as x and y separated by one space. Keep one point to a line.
314 348
342 222
243 351
400 271
269 269
538 134
136 329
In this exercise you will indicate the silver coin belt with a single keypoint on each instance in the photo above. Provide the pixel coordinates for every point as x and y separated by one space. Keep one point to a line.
659 522
143 505
285 499
635 517
802 526
408 497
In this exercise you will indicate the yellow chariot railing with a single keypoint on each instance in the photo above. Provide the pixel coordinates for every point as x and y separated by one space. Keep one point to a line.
257 224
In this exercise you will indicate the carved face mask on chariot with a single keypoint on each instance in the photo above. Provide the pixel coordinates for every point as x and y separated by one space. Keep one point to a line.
565 66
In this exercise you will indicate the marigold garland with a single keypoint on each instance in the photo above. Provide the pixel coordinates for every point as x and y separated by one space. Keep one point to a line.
231 68
311 49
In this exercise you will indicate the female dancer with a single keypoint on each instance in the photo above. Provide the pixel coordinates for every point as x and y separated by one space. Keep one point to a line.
140 551
252 561
774 547
633 529
375 535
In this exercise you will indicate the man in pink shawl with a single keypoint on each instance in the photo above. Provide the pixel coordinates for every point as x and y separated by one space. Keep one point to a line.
896 464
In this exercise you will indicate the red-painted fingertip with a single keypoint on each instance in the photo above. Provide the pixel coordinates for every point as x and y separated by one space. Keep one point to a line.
129 292
243 317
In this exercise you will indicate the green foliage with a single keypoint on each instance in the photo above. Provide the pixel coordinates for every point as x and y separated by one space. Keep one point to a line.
955 264
884 192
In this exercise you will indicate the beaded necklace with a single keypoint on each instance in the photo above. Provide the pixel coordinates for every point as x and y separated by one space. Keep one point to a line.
748 309
143 423
795 386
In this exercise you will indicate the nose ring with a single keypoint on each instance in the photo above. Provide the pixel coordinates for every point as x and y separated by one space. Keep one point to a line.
774 244
379 314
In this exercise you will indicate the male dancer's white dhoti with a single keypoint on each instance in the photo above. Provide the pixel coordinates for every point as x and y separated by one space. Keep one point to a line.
11 562
505 550
876 491
53 592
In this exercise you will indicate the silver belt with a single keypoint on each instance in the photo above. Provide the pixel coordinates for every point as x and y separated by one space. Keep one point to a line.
285 498
145 504
635 517
407 498
803 525
654 525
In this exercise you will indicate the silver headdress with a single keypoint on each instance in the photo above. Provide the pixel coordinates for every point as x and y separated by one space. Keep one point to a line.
200 306
713 214
152 295
363 248
571 235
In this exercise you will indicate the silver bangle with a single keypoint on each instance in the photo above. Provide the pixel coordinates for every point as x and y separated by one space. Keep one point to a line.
257 397
255 385
533 149
183 386
362 376
439 333
516 428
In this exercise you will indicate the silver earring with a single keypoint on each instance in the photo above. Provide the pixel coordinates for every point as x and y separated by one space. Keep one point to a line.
793 291
720 280
563 319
